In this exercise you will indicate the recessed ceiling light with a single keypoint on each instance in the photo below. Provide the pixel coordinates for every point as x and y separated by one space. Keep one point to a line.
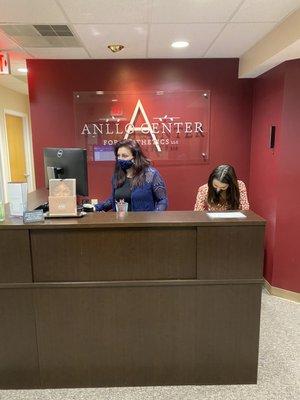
180 45
115 47
24 70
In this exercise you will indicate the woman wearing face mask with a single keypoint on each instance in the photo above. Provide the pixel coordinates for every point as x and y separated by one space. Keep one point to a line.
135 181
222 192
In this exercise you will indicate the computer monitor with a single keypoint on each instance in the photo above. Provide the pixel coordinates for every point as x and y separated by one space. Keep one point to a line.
63 163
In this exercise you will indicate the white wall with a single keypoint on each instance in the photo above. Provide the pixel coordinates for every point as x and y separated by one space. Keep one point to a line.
19 103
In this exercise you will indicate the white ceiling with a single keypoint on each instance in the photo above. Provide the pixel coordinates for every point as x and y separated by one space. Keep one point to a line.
214 28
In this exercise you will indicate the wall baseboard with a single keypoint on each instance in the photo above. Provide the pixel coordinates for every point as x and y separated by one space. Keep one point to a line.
285 294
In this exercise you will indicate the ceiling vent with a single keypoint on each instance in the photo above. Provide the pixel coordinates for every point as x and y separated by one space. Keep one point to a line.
41 35
53 30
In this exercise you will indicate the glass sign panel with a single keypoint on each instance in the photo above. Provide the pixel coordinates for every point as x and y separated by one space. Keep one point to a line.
170 126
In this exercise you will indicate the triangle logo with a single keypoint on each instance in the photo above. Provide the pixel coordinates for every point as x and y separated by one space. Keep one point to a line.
144 128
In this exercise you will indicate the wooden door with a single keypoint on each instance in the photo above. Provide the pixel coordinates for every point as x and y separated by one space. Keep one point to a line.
16 150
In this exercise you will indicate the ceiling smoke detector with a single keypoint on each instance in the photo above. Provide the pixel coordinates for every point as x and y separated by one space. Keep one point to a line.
115 47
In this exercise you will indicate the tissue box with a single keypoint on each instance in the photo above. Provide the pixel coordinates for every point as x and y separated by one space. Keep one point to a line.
17 197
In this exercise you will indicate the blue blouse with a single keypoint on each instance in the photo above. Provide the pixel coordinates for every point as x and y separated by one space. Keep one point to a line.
151 196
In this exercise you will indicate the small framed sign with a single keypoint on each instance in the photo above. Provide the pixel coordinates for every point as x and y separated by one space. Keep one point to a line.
4 64
33 216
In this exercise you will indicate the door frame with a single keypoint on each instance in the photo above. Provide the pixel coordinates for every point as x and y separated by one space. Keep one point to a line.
28 149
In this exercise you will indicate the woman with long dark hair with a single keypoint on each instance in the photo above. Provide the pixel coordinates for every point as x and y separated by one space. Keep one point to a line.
135 181
222 192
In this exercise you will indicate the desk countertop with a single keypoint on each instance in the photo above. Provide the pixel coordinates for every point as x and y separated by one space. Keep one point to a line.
131 219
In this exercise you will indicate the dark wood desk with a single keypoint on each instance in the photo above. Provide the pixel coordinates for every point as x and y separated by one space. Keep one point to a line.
151 299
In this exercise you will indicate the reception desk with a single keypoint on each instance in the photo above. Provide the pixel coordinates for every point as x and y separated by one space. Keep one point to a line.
157 298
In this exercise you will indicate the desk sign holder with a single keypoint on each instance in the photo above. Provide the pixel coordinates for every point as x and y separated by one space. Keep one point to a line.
33 216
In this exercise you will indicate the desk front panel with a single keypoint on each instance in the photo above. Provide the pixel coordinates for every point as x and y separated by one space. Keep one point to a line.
148 335
15 258
230 252
113 254
19 366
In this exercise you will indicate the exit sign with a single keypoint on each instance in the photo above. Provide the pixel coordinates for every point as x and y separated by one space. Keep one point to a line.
4 64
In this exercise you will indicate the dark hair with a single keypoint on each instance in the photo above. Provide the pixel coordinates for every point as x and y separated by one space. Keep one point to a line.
141 162
224 174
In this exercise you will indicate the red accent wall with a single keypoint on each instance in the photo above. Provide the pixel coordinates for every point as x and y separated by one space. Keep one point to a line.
51 86
275 174
274 189
263 189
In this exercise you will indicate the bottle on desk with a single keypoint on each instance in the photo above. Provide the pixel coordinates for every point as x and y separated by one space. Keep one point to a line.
2 211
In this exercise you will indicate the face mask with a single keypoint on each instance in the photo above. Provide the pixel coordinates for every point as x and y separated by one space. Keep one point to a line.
125 164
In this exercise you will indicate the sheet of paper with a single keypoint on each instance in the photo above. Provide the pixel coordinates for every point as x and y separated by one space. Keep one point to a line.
234 214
